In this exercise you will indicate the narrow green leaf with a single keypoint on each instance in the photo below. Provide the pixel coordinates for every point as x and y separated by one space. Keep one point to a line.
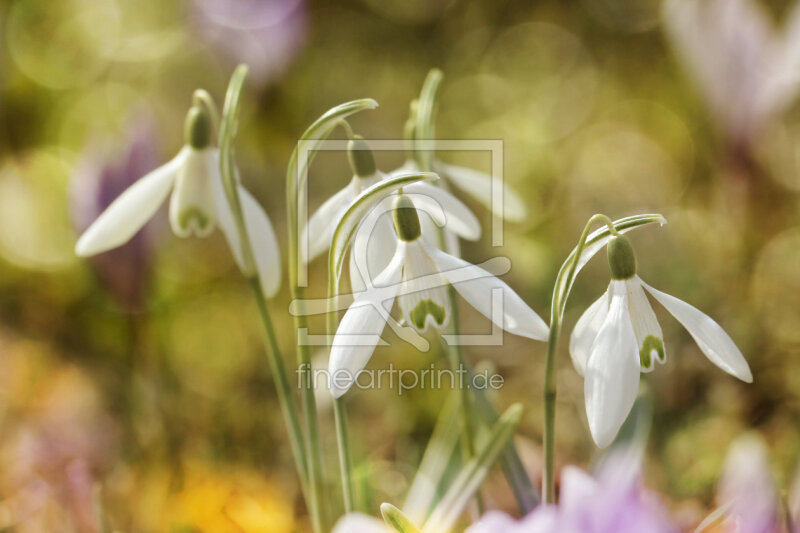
526 495
467 482
424 489
426 107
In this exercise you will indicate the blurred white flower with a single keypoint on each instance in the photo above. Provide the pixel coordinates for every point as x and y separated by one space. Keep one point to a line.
618 337
746 70
417 276
197 205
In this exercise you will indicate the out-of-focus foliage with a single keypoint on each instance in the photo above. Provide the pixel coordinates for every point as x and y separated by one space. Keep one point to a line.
136 384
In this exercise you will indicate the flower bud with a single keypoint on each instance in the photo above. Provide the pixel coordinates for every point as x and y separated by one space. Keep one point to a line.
395 518
406 220
621 258
197 128
361 158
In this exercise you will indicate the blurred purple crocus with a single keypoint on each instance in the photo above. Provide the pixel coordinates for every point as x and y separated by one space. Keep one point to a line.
747 493
264 34
746 70
611 502
103 173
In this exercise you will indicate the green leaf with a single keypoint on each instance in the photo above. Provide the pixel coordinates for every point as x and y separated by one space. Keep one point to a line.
424 489
474 472
426 107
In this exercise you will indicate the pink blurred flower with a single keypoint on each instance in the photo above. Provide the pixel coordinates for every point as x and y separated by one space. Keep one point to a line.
611 502
264 34
746 69
747 494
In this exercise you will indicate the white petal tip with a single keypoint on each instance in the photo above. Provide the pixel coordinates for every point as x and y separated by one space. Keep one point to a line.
84 248
745 375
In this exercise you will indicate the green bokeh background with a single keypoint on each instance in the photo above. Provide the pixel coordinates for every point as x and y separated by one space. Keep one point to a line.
595 113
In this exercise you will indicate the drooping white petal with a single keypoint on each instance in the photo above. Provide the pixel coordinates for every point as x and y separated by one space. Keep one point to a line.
192 207
645 326
131 210
266 252
319 230
476 286
360 523
612 371
457 216
709 336
585 331
360 329
423 294
479 186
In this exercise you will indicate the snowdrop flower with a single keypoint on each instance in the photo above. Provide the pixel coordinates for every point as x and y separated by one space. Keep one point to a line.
376 235
743 67
197 205
417 276
618 337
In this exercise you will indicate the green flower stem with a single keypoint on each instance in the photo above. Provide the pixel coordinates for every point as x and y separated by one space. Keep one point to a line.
340 419
563 285
227 133
296 181
288 403
342 236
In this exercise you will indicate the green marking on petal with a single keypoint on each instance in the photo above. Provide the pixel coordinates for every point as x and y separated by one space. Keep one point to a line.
651 343
420 313
195 214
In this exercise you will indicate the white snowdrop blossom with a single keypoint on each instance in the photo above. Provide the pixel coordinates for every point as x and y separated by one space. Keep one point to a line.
197 205
618 337
417 277
376 237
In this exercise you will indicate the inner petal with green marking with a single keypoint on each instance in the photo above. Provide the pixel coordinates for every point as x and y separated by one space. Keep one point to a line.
423 294
651 345
425 308
192 209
